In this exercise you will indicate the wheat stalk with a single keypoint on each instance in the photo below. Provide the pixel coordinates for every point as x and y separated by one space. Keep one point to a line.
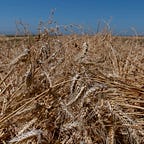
74 82
21 58
76 97
27 135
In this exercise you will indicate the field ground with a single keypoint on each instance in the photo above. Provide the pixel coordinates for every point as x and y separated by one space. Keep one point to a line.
72 89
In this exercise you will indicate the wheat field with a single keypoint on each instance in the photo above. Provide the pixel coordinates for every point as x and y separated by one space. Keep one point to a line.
72 89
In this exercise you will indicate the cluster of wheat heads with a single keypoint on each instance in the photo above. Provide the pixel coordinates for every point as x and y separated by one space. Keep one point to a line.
72 90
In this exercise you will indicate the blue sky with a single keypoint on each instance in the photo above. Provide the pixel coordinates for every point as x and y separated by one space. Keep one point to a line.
122 14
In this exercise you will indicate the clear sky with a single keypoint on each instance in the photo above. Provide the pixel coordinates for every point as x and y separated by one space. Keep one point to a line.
122 14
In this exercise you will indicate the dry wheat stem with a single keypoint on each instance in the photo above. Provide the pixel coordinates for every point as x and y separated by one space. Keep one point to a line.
22 57
65 108
130 106
11 115
76 97
7 75
74 82
115 62
26 135
4 90
27 125
15 94
47 75
26 110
